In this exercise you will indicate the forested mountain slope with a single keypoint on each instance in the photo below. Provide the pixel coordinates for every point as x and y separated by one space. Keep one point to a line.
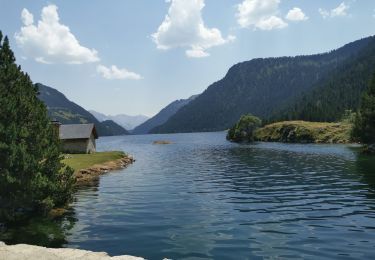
67 112
161 117
341 90
267 87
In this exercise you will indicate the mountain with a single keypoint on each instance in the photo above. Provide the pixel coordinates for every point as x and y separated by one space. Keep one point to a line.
126 121
274 88
101 117
68 112
161 117
112 128
340 91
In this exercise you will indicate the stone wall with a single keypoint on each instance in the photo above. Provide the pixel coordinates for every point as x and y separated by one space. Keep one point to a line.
79 145
75 145
91 145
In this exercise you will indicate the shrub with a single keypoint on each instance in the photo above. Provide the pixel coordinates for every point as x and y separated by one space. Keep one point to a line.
243 130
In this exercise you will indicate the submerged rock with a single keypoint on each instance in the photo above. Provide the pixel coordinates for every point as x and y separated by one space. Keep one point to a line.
162 142
29 252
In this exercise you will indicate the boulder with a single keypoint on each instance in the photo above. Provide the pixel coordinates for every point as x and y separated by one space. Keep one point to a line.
29 252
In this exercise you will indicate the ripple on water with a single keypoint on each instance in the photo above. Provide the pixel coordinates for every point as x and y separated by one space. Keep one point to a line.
205 198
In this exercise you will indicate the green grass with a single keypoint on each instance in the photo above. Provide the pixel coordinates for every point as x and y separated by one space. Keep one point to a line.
84 161
303 131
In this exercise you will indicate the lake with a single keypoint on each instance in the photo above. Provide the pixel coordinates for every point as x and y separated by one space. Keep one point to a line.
205 198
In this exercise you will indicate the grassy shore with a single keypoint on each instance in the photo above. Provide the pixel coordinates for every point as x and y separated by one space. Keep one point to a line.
84 161
305 132
89 167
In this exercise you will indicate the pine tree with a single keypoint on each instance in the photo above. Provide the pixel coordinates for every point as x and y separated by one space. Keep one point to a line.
364 128
32 177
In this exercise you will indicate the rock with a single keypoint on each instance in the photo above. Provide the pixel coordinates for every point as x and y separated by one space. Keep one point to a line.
90 175
57 212
369 149
162 142
28 252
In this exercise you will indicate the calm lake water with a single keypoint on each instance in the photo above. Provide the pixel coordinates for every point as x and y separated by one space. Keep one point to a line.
205 198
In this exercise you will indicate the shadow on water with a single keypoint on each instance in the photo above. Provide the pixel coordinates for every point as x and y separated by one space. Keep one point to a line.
320 164
366 168
43 231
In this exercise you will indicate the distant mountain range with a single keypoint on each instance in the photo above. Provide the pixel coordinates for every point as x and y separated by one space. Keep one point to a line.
126 121
67 112
315 87
162 117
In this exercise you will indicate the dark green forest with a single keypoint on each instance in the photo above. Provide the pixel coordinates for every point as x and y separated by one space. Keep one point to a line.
316 87
364 126
341 90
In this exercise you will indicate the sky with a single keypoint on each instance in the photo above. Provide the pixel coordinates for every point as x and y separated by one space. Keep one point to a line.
136 56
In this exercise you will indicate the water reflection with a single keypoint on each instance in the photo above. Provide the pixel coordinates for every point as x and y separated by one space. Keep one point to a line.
40 231
365 165
44 231
205 198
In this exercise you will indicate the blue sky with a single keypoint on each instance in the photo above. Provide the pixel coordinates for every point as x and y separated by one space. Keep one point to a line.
136 56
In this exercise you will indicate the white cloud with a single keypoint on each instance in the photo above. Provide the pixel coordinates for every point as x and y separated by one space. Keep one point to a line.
341 10
296 15
49 41
273 22
373 14
196 52
324 13
184 27
27 17
260 14
115 73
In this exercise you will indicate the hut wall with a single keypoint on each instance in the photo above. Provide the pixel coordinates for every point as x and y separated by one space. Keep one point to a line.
75 145
91 144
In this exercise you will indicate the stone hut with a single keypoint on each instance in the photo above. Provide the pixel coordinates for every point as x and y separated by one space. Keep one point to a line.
78 138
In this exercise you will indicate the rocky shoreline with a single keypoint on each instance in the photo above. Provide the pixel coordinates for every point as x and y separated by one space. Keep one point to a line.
92 174
29 252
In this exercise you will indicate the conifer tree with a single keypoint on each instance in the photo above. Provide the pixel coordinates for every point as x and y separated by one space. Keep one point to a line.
32 177
364 128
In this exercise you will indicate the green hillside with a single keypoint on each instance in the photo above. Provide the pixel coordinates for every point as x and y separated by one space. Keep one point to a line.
340 91
279 88
67 112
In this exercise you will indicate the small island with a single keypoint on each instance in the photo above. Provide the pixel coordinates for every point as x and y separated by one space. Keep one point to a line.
305 132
